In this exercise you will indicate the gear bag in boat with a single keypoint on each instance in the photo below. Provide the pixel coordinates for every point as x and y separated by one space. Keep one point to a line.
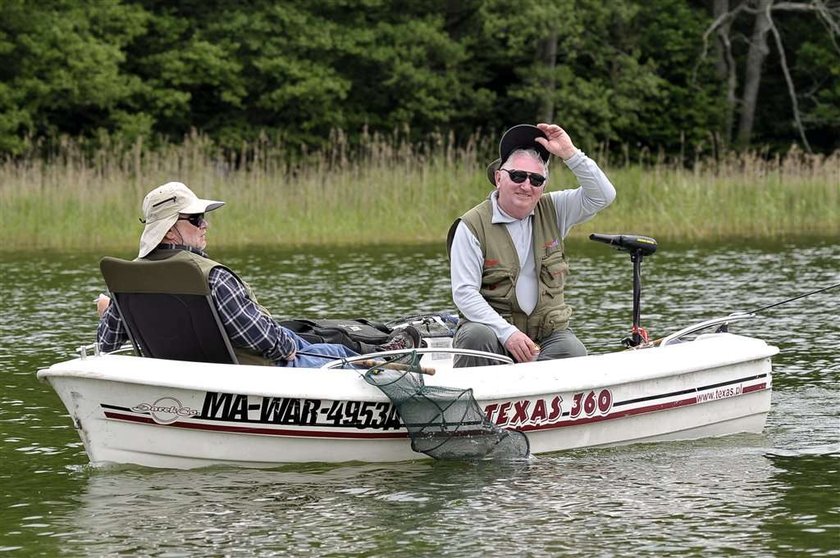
359 335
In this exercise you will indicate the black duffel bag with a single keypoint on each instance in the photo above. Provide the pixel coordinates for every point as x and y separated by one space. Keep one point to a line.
361 336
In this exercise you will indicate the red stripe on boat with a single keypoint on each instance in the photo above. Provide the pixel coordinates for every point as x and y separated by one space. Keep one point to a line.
310 433
255 430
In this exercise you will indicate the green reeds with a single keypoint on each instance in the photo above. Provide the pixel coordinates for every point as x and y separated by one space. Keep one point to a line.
742 196
384 189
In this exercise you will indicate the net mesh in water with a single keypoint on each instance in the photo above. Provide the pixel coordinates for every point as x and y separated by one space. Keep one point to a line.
446 423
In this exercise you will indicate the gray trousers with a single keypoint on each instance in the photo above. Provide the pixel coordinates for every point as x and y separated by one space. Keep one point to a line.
479 337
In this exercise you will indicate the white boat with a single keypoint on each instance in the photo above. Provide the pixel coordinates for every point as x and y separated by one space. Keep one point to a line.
175 414
183 414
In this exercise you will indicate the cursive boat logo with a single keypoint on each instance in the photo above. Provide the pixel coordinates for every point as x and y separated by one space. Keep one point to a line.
166 410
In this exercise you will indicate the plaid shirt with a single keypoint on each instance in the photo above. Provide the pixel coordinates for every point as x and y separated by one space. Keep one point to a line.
245 323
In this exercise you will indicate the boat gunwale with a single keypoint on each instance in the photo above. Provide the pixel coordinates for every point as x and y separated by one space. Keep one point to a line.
524 380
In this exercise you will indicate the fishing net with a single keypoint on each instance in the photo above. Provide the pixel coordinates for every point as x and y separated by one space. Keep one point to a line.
444 423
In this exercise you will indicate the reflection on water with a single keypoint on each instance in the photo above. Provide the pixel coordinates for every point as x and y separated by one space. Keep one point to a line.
717 497
771 494
548 505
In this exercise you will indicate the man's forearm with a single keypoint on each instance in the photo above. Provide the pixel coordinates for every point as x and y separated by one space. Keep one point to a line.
598 191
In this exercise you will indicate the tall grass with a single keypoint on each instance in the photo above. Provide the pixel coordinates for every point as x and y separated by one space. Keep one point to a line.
384 189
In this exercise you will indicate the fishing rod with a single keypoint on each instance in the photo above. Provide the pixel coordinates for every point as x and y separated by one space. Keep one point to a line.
723 323
769 306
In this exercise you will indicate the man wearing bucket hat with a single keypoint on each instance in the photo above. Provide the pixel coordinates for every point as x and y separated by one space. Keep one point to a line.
508 262
176 227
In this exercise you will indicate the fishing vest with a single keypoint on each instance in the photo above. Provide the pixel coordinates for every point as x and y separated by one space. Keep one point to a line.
500 269
243 355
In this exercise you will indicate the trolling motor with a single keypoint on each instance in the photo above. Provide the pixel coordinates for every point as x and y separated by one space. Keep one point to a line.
638 247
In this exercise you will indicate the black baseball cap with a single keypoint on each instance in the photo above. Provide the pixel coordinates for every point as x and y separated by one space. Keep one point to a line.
521 136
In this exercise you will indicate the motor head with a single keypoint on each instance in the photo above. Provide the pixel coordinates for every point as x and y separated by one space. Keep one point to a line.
632 243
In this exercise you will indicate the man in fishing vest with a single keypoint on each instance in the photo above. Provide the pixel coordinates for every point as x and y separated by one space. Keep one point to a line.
176 227
508 263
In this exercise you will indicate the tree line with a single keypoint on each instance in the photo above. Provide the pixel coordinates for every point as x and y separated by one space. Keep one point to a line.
677 77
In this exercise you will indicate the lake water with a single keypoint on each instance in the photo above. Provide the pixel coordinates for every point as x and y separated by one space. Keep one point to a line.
773 494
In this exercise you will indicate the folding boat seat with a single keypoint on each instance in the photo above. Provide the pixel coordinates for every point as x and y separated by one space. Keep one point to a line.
167 309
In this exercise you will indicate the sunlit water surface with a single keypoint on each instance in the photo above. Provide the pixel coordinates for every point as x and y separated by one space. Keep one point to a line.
774 494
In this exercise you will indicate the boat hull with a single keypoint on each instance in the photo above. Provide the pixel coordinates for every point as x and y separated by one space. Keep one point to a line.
169 414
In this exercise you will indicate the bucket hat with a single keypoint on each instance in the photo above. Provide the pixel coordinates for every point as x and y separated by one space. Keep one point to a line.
521 136
161 208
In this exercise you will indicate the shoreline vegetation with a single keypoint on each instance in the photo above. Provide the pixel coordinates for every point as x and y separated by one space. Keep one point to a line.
388 191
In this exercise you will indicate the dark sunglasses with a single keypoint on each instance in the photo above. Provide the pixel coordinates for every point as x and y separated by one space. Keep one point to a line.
195 219
519 176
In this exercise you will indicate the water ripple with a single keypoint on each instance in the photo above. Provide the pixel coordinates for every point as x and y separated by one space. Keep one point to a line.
761 495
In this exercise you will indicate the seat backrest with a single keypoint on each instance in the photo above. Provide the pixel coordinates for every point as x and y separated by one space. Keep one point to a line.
167 309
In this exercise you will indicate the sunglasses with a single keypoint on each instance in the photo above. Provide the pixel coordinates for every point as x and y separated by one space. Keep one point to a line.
519 176
196 220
